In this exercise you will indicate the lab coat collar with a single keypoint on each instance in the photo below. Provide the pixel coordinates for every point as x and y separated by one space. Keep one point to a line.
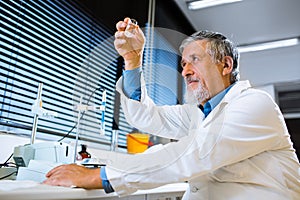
236 89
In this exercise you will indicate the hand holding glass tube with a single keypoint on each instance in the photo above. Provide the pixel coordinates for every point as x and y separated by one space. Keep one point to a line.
130 42
131 28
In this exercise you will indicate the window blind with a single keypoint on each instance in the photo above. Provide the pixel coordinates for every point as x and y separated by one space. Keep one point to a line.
61 45
160 68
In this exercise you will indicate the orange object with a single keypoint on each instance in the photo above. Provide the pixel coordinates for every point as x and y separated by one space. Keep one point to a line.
137 142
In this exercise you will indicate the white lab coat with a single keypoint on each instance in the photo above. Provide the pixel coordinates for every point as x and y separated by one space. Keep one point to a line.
241 151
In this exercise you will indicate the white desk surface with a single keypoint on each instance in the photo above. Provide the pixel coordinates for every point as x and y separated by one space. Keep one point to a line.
30 190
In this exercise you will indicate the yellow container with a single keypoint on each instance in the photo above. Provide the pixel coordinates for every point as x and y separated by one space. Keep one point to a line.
137 142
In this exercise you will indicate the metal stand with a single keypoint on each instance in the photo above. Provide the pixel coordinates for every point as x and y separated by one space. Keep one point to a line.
38 104
82 108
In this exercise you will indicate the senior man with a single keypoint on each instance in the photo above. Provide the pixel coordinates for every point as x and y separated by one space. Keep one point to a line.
232 143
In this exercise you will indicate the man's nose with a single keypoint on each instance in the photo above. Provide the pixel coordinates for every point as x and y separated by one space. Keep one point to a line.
187 70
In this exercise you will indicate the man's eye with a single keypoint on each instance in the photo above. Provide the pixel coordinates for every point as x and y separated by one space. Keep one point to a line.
183 64
195 58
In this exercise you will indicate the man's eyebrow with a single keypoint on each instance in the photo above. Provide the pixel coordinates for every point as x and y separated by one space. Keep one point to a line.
190 56
199 55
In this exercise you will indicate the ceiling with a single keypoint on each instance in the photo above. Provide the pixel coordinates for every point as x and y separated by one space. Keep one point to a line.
248 21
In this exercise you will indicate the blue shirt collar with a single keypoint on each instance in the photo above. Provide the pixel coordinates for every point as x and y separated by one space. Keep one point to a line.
213 102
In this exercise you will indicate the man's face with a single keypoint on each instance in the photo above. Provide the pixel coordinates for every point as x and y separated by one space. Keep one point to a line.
202 76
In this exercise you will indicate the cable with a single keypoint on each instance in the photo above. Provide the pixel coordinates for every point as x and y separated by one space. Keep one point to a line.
9 164
6 162
67 134
8 175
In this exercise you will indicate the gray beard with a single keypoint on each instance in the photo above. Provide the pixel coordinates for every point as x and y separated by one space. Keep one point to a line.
196 96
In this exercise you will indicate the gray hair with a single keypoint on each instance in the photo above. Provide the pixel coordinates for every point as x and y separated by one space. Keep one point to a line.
219 47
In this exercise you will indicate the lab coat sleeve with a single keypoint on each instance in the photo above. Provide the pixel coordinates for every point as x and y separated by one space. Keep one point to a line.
233 132
165 121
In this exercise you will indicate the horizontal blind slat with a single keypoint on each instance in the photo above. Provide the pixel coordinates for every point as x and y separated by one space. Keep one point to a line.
60 45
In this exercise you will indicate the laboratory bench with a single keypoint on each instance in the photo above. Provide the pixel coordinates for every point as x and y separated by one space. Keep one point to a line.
30 190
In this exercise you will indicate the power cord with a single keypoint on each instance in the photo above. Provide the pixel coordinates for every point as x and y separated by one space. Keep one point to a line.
8 164
69 132
8 175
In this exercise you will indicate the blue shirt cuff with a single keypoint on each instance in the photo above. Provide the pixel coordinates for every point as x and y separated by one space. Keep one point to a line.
105 182
132 83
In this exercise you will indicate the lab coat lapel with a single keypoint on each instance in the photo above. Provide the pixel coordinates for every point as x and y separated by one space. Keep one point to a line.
196 116
238 88
214 113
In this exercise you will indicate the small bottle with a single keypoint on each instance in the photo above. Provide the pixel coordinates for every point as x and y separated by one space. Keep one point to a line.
83 153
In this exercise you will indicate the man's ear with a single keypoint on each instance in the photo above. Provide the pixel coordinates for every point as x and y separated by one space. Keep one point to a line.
228 65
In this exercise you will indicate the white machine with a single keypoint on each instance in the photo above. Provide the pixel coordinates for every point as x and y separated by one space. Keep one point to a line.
56 152
35 160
